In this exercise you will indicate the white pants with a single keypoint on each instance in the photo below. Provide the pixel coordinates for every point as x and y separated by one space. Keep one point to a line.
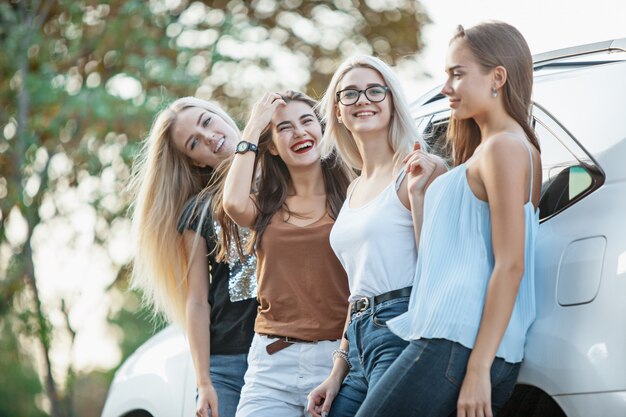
277 385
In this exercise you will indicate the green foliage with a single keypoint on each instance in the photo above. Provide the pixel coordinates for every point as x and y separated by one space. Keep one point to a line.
17 377
136 323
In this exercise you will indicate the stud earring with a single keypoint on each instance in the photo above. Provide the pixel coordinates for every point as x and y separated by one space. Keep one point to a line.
494 92
339 120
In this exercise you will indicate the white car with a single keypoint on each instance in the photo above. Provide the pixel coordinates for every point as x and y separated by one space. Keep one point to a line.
157 380
575 362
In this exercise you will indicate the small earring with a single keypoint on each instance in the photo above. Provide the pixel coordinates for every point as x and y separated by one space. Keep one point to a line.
494 92
339 120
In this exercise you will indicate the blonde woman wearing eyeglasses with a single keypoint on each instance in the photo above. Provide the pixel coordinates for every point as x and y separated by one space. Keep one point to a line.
369 123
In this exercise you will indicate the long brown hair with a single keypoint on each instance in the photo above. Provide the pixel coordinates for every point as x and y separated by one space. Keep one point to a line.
496 44
274 183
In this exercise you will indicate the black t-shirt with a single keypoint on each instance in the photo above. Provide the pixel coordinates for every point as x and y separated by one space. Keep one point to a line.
232 286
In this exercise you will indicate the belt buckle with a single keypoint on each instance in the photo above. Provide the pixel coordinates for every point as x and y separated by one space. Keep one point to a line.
366 304
288 339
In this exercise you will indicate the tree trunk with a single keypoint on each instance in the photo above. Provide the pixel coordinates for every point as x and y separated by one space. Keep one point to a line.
43 331
33 22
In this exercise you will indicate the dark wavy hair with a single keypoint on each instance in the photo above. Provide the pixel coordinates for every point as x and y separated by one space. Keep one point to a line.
273 184
496 44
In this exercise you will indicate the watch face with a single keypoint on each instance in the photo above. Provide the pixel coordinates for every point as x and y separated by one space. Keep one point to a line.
242 146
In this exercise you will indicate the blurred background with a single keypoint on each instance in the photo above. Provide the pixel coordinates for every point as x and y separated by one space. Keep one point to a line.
80 82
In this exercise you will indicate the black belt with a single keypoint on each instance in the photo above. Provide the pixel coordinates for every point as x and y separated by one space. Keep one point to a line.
366 302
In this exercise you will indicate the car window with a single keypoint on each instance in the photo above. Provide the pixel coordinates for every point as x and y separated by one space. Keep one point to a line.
569 174
433 129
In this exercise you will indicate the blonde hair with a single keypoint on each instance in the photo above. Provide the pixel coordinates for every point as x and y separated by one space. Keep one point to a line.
163 180
402 130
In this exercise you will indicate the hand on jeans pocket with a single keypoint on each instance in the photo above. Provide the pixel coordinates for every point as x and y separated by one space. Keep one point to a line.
206 405
475 395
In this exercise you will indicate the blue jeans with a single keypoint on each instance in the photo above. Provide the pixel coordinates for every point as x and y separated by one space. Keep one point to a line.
426 379
227 373
373 348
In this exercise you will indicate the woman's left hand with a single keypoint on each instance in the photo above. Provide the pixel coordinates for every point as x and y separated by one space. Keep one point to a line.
206 406
475 397
420 167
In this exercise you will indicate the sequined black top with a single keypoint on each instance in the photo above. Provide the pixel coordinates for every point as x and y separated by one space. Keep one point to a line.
232 286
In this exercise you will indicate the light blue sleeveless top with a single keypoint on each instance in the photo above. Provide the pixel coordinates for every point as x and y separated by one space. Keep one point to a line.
454 265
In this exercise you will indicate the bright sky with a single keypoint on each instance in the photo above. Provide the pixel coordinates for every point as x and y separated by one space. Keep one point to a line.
546 25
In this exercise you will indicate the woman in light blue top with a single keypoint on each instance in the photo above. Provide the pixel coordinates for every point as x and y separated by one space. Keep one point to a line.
473 295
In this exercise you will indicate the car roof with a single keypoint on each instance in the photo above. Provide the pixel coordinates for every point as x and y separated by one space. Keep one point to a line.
580 53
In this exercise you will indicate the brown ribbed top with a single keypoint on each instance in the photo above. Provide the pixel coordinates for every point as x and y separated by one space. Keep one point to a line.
302 288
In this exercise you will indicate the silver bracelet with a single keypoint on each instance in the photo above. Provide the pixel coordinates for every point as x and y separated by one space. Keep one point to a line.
343 354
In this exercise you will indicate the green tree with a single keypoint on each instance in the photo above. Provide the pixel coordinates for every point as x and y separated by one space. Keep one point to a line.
19 381
80 81
66 120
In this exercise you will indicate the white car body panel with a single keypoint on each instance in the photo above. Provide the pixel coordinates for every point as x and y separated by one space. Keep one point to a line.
157 378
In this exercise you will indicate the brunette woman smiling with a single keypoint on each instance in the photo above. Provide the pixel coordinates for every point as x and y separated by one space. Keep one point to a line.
303 289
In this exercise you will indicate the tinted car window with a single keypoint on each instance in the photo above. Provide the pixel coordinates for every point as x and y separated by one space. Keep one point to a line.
569 173
433 129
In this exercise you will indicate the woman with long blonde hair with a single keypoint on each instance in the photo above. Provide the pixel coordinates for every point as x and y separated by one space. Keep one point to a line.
374 236
175 264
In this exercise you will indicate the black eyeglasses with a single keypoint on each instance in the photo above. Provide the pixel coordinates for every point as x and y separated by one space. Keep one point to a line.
374 93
